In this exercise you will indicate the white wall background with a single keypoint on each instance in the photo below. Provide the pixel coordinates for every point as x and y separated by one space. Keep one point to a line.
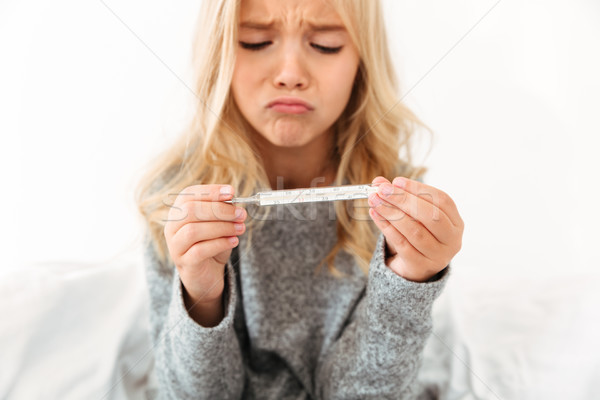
90 90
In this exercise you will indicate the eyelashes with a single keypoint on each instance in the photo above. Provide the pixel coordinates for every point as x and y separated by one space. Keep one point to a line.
261 45
327 50
254 46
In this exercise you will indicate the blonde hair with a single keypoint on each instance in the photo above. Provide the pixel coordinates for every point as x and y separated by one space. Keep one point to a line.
373 133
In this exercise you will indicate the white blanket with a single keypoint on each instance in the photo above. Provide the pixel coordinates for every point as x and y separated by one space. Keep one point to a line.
500 338
73 331
79 331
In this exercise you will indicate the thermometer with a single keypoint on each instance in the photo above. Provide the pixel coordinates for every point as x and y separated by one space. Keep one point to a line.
293 196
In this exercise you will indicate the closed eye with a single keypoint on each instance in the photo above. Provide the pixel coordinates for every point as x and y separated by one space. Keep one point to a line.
327 50
261 45
254 46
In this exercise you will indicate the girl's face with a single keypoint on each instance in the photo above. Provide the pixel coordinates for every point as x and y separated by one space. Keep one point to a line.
294 71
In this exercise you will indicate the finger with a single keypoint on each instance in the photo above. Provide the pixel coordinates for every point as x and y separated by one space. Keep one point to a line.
433 196
379 180
204 193
207 249
197 193
197 211
418 236
431 217
194 232
398 243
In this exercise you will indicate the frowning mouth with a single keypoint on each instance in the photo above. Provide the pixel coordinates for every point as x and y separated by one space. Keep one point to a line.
290 105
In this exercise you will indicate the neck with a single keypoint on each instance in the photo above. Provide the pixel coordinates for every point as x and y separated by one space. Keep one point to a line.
311 165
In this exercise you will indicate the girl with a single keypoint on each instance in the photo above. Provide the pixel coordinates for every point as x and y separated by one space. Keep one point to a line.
296 93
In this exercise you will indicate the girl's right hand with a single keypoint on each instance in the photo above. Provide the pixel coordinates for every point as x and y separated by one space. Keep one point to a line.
200 233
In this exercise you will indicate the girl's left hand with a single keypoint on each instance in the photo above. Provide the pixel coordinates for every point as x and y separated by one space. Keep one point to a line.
422 228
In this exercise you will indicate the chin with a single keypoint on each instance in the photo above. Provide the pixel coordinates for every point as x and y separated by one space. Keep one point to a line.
289 137
287 142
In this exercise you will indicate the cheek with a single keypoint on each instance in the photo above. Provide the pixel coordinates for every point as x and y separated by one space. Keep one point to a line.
241 84
237 80
338 82
244 73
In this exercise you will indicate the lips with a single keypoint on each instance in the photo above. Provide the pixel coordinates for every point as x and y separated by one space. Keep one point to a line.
291 105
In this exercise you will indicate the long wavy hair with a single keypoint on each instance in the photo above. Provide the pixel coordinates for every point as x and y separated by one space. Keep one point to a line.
373 134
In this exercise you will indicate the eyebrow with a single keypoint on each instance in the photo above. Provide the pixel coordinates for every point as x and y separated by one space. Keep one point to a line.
314 27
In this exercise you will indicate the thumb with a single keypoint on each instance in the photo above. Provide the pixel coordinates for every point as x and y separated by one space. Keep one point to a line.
379 180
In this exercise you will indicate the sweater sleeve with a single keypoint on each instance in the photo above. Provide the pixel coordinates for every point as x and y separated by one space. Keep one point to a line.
191 361
378 354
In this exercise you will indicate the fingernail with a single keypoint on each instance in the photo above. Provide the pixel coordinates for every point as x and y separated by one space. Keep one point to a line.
226 190
374 214
400 182
238 212
238 227
386 189
375 201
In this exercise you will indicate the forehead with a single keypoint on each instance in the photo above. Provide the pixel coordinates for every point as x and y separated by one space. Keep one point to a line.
265 14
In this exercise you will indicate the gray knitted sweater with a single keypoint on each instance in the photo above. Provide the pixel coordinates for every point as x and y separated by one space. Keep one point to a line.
288 333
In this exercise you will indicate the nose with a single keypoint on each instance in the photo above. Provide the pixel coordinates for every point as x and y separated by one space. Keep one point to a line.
292 74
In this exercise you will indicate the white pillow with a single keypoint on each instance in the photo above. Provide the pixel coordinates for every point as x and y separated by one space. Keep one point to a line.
74 331
500 337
